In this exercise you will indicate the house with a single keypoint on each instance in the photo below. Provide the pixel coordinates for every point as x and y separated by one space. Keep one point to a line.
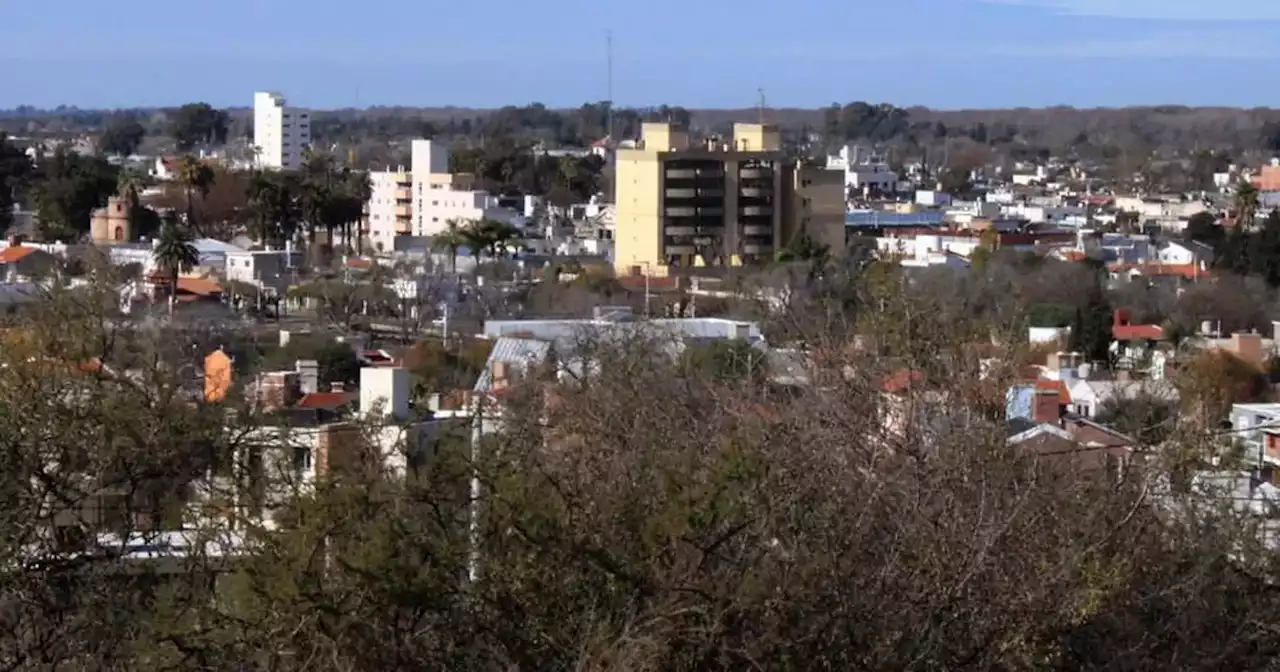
309 434
270 270
19 262
1041 430
1133 343
1255 430
1078 447
1182 253
189 289
1088 397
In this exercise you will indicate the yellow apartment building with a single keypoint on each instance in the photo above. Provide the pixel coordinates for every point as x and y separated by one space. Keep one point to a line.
717 203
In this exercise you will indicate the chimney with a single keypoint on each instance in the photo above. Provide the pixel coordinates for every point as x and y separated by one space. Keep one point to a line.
500 374
278 390
385 389
1247 347
309 375
1045 407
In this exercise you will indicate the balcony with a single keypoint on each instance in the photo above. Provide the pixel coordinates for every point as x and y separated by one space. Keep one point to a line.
757 230
404 211
680 230
711 193
756 192
711 212
681 211
755 173
404 194
757 210
681 173
681 249
752 248
682 193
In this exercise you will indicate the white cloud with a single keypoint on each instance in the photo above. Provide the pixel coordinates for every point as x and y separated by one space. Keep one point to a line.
1168 10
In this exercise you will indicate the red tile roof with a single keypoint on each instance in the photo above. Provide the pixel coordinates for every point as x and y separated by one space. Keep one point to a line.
1137 332
1188 271
326 399
16 253
1050 385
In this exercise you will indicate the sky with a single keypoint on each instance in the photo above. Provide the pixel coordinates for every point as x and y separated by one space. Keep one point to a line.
695 53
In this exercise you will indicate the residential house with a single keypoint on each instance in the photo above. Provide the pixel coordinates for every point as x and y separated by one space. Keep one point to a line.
20 262
1133 343
1255 430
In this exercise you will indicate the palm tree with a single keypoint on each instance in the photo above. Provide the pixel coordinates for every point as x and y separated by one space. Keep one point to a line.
129 184
195 176
1246 205
174 253
496 235
451 240
262 192
354 192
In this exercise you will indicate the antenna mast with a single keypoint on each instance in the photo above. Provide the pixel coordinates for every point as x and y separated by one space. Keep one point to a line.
608 132
760 107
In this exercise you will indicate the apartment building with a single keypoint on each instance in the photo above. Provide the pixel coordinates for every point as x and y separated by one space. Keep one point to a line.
389 212
439 196
280 132
718 203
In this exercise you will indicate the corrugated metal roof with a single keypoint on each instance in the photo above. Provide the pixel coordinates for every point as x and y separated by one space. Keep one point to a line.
518 352
878 218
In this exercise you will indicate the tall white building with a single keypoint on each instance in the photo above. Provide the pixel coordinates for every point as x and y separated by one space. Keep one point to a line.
280 132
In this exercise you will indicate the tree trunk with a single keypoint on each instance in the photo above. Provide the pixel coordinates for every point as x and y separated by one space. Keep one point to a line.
173 288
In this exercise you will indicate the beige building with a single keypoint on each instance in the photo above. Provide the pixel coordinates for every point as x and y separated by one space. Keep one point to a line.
718 203
109 225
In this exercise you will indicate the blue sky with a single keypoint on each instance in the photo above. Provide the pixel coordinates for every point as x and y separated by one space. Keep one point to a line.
941 53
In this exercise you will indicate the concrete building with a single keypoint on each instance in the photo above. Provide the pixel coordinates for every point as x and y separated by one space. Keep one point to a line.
718 204
439 196
389 212
864 175
267 269
280 132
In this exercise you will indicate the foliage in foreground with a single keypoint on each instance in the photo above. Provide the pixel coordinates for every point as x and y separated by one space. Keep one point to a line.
663 514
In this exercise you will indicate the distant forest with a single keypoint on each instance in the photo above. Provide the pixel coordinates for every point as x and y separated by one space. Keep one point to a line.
1126 139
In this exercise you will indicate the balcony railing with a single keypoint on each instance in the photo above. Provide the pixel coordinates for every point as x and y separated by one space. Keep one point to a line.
757 210
757 230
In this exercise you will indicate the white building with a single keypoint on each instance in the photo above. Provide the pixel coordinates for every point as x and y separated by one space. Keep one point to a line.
440 196
863 174
267 269
389 212
280 133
